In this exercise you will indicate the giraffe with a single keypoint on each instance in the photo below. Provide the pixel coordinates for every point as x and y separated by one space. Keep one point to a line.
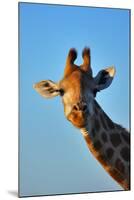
107 141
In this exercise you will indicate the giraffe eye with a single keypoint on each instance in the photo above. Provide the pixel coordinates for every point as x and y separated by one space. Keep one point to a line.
61 92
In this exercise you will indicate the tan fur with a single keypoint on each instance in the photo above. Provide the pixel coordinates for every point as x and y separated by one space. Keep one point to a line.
77 118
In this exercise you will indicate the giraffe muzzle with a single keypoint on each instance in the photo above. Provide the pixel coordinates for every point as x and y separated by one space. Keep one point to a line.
78 115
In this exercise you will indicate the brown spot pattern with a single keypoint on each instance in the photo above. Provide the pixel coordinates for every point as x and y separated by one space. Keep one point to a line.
109 123
103 122
115 139
126 137
104 137
125 153
93 132
97 145
109 153
97 105
96 125
96 111
119 165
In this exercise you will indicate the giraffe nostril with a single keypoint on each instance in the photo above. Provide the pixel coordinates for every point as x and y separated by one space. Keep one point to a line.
80 107
75 108
84 108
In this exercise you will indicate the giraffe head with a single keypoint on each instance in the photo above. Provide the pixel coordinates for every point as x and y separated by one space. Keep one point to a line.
78 87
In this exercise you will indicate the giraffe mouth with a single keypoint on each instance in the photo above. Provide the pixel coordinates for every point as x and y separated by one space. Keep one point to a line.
78 119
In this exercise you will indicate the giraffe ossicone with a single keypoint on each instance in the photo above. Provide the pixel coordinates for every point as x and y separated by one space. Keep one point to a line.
107 141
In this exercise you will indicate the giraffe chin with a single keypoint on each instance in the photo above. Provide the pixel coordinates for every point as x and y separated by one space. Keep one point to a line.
77 119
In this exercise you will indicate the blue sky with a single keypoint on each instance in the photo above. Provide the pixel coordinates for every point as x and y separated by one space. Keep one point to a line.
54 158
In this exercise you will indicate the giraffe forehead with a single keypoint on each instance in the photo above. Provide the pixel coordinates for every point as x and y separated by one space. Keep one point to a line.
72 80
78 81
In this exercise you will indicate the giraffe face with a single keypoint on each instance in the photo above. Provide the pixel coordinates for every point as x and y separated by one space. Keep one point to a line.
77 96
77 88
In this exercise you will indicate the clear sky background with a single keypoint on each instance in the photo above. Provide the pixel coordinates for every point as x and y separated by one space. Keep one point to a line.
54 158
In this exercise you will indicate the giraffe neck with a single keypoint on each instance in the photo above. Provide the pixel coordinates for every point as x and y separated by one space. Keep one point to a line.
105 140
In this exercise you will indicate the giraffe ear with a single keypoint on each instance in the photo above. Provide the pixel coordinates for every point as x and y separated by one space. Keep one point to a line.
47 89
104 78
